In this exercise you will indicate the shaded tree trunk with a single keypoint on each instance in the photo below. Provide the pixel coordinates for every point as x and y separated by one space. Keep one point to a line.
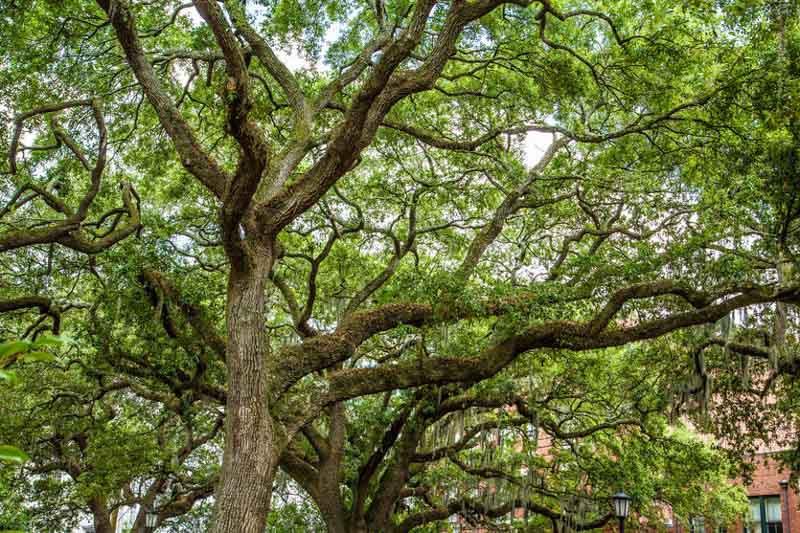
251 443
101 517
330 502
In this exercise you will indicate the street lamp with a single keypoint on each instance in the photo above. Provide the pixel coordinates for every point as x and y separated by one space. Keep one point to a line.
150 521
622 505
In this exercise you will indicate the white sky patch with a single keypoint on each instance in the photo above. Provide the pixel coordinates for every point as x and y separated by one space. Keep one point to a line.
536 144
293 60
193 15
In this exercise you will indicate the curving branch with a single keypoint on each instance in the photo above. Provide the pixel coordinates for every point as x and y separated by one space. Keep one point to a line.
254 156
193 157
72 230
386 85
561 334
194 315
280 72
469 506
513 202
45 306
603 230
325 351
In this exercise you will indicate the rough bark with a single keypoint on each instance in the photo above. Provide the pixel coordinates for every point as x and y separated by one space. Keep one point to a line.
252 444
101 516
330 498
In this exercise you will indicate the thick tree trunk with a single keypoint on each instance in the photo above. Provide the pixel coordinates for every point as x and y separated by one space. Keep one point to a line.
330 501
333 524
100 516
251 443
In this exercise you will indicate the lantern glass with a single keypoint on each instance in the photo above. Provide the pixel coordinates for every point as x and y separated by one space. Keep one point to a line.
150 519
622 504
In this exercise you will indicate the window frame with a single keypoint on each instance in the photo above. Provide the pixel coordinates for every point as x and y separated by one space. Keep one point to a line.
762 502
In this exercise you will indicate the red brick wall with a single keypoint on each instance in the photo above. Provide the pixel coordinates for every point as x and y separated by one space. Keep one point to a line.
766 482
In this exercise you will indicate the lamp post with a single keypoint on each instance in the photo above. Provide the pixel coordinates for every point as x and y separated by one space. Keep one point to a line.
150 521
622 505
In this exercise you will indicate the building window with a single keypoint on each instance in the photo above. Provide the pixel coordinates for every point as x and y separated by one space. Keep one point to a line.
698 525
765 515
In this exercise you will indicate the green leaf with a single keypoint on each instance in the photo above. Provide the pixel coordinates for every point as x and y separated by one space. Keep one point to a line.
9 375
12 454
49 340
40 357
13 347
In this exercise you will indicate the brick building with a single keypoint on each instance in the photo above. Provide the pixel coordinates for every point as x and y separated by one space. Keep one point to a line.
771 487
774 504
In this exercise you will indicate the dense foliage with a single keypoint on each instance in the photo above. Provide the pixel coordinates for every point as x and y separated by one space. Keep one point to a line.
392 265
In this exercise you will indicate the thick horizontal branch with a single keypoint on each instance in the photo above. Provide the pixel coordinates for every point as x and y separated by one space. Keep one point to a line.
44 305
562 334
323 351
760 352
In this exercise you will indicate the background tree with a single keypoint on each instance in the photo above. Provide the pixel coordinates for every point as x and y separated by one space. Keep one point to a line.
751 356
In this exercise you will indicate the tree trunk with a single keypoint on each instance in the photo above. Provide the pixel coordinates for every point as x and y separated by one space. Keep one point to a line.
100 516
251 444
330 503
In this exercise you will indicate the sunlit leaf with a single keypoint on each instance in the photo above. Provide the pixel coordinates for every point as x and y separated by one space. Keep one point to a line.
9 376
49 340
12 454
13 347
39 356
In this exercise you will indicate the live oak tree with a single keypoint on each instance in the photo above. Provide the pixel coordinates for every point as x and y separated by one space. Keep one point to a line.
364 223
